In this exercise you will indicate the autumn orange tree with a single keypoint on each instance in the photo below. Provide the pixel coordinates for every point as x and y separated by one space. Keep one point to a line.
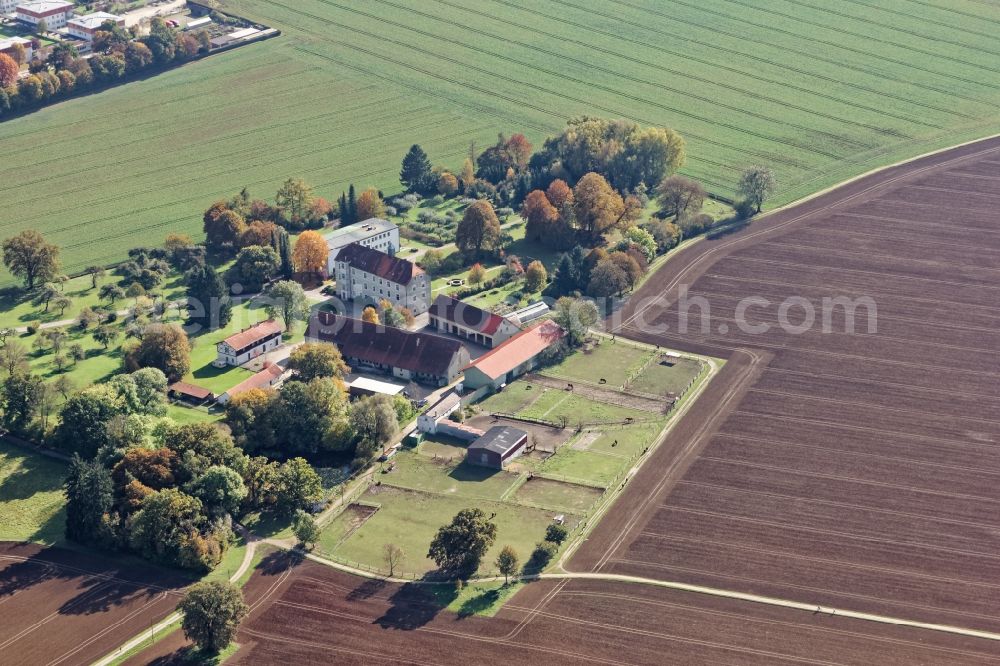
479 229
370 315
539 214
559 193
8 71
599 208
370 205
310 254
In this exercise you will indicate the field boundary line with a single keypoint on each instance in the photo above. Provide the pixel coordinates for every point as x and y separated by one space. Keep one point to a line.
775 601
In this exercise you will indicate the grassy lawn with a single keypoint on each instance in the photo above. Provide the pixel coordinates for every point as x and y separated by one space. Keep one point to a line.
182 413
512 399
583 467
31 498
626 441
219 380
410 519
661 379
481 599
611 361
555 403
420 472
556 495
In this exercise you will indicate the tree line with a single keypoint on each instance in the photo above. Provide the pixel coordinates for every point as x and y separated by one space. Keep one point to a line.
118 54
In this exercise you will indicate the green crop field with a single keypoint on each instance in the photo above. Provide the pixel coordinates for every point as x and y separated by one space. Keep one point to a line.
818 91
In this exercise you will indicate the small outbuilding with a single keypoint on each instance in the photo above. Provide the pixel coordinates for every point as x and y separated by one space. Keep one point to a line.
497 447
196 395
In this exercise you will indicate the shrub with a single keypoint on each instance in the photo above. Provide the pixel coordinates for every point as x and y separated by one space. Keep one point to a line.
556 533
391 211
541 556
745 209
435 200
34 327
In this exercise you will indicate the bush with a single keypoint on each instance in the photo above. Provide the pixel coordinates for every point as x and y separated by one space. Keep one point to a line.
541 556
745 209
435 200
34 327
391 211
556 533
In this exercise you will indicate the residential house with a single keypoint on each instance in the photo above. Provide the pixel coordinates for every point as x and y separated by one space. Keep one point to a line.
375 233
248 344
485 328
84 27
505 363
372 275
266 378
420 357
497 447
55 13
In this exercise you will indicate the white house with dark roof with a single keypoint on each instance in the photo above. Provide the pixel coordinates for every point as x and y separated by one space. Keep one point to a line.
371 275
248 344
376 233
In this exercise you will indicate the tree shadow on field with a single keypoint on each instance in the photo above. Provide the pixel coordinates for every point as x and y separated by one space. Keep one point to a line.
415 605
279 562
368 589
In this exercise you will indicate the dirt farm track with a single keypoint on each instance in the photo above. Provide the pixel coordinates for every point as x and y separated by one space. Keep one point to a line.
853 471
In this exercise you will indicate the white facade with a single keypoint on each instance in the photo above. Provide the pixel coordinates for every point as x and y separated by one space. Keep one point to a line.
84 27
248 344
8 6
378 234
7 45
354 283
55 13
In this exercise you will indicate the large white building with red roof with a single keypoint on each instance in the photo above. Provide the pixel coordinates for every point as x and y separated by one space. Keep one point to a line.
248 344
488 329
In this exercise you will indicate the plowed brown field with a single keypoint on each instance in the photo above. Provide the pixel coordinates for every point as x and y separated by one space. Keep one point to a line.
857 471
64 607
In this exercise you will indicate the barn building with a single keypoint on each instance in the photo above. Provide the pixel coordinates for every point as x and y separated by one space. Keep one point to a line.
420 357
505 363
488 329
497 447
266 378
248 344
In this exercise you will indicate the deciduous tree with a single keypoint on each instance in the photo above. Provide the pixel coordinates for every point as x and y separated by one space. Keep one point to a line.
223 228
535 276
294 200
373 419
598 208
370 315
680 196
163 346
539 214
369 205
311 252
317 359
459 546
208 300
756 185
476 274
392 555
479 229
255 266
212 613
507 562
576 316
8 71
30 257
286 300
447 184
305 529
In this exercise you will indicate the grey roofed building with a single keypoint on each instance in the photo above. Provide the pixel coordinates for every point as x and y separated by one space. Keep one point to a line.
375 233
498 446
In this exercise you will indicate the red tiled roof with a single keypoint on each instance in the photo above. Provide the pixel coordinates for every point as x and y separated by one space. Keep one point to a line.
356 339
465 315
380 264
255 333
191 390
262 379
521 348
